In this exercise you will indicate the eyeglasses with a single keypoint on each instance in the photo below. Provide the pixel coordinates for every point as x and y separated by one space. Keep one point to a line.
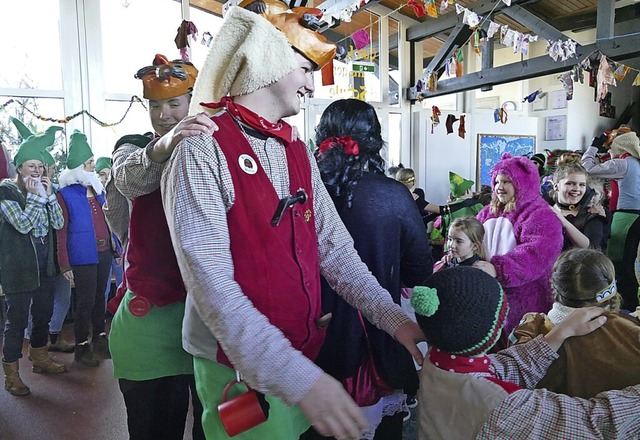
164 72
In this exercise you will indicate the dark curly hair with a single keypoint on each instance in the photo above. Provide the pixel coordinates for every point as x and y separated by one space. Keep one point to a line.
340 171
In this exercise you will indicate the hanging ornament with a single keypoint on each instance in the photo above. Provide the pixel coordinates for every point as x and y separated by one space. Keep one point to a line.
532 96
360 39
435 117
493 28
459 63
432 84
476 42
432 10
605 79
567 84
418 7
620 72
187 29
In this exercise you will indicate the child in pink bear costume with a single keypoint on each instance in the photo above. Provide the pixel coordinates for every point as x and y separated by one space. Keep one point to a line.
523 238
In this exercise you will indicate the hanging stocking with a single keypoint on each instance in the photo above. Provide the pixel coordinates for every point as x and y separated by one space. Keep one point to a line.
449 124
567 84
435 117
461 129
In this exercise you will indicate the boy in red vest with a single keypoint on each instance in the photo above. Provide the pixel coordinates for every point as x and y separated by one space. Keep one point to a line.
253 228
155 374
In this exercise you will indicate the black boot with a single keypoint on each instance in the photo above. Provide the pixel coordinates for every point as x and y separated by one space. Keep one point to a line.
100 346
85 356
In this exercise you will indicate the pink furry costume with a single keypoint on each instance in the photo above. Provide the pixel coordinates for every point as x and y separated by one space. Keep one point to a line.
524 243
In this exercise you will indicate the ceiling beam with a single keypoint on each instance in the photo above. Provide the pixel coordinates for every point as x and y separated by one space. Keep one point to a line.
459 35
532 22
616 48
605 19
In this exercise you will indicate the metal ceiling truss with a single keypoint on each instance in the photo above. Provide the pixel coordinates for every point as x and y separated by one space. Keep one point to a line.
615 48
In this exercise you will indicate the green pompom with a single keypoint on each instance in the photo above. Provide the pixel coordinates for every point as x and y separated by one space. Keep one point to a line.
425 300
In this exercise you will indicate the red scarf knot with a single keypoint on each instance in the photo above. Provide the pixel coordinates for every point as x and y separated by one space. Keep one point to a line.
280 129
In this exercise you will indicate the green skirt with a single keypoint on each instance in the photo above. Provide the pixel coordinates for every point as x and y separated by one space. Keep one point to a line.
284 422
620 225
151 346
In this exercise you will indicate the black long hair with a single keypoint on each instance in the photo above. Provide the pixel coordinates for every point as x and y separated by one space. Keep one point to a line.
340 171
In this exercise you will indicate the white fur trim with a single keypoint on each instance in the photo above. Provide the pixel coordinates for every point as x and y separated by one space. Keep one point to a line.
499 237
79 175
247 54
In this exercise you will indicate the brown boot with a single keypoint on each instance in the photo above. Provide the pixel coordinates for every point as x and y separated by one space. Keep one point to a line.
12 381
42 363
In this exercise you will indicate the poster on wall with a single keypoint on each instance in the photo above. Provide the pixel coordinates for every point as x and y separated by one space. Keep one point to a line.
555 128
490 149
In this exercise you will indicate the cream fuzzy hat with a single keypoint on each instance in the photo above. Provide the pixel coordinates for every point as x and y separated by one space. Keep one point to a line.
626 143
247 54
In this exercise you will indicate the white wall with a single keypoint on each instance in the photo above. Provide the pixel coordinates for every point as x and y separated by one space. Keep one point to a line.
448 152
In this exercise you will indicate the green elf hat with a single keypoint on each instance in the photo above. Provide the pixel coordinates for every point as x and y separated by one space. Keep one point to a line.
459 185
79 150
46 139
47 158
102 163
30 149
22 129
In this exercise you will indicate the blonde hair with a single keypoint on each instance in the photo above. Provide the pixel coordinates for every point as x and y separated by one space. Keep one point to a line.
568 163
496 206
579 275
406 176
472 228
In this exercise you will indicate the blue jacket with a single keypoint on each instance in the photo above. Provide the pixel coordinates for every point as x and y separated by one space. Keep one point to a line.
81 241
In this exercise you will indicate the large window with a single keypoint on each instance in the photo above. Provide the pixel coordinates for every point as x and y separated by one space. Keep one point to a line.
30 35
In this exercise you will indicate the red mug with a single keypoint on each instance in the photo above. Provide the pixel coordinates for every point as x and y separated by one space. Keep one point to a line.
242 412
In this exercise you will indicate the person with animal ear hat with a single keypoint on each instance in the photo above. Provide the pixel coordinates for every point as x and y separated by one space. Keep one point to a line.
253 235
154 373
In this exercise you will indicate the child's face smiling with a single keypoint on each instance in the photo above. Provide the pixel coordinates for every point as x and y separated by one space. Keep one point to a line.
504 189
459 244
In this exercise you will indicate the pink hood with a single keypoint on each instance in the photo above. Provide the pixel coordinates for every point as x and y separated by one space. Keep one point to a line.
522 172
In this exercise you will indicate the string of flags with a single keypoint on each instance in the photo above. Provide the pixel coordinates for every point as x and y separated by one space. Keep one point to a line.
560 50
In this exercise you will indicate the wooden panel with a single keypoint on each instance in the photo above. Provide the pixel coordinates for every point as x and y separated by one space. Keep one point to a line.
211 6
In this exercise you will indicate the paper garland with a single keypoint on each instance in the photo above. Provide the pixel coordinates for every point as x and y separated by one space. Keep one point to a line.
75 115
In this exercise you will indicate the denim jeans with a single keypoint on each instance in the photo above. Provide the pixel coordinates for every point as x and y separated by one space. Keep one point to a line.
90 281
116 270
40 301
61 301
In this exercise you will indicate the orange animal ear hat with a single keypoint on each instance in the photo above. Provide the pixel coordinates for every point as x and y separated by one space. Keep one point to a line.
167 79
297 25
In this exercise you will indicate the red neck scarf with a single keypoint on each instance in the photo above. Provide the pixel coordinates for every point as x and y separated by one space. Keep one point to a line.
280 129
478 366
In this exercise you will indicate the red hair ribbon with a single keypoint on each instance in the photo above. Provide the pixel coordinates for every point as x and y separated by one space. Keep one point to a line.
350 147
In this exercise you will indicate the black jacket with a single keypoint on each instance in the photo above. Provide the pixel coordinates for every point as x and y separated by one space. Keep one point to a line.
391 239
